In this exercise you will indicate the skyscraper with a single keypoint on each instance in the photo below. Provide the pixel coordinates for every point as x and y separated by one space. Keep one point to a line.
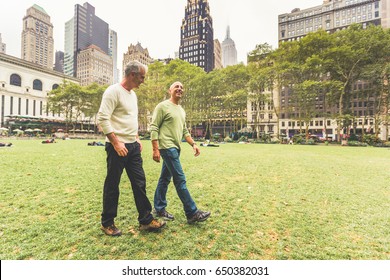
59 62
196 35
229 51
217 54
113 52
37 37
83 30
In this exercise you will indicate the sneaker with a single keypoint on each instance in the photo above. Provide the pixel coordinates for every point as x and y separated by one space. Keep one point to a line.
111 230
199 216
154 225
165 215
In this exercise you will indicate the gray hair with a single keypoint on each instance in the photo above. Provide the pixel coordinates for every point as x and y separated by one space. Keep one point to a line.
135 67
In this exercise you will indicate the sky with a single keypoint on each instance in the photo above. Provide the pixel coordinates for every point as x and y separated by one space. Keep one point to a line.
156 23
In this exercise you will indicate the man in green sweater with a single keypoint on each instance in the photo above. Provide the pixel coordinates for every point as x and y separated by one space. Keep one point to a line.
167 130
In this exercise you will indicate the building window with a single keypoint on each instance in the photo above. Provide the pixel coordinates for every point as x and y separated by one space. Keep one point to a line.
37 85
11 111
26 106
16 80
19 106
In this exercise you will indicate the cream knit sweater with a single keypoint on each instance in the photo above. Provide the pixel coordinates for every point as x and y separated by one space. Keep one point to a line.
118 113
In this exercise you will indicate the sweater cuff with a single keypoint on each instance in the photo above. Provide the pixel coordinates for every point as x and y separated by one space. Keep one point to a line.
153 135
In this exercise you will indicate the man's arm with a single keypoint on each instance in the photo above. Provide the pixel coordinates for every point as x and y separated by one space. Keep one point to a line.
155 130
107 106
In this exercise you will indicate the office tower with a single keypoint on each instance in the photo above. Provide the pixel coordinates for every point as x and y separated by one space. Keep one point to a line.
2 45
69 48
196 35
332 16
113 52
94 66
83 30
59 62
37 37
136 52
217 55
229 51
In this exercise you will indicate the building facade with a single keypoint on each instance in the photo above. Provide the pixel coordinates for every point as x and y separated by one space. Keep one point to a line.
59 61
3 46
229 51
217 55
24 87
113 52
136 52
94 66
332 15
197 35
83 30
37 37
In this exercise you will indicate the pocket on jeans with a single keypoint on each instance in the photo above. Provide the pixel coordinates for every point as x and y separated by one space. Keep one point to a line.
172 153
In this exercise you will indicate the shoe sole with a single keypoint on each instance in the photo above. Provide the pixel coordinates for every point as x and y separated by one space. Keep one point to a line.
115 235
163 217
166 218
153 229
200 220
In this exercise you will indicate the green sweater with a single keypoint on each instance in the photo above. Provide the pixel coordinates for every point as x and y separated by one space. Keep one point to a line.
168 125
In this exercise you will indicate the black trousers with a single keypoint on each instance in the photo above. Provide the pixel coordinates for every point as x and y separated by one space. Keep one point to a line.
132 163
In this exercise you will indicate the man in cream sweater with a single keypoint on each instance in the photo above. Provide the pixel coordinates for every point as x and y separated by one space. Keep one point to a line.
118 118
167 129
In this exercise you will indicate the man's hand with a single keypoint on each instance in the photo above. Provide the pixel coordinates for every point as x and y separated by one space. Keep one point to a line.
156 155
140 144
196 150
121 149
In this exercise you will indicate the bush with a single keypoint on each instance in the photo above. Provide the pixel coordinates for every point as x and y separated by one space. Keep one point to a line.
298 139
382 144
354 137
228 139
371 139
356 144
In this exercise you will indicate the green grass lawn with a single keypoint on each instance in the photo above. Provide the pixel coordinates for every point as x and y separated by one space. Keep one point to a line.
269 202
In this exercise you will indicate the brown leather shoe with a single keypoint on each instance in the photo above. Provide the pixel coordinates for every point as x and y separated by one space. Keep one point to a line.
154 225
111 230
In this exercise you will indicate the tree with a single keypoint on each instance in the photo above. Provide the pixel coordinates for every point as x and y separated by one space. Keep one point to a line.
352 51
235 92
66 100
91 97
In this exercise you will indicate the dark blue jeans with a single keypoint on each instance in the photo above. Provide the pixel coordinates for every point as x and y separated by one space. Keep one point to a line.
132 163
171 167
